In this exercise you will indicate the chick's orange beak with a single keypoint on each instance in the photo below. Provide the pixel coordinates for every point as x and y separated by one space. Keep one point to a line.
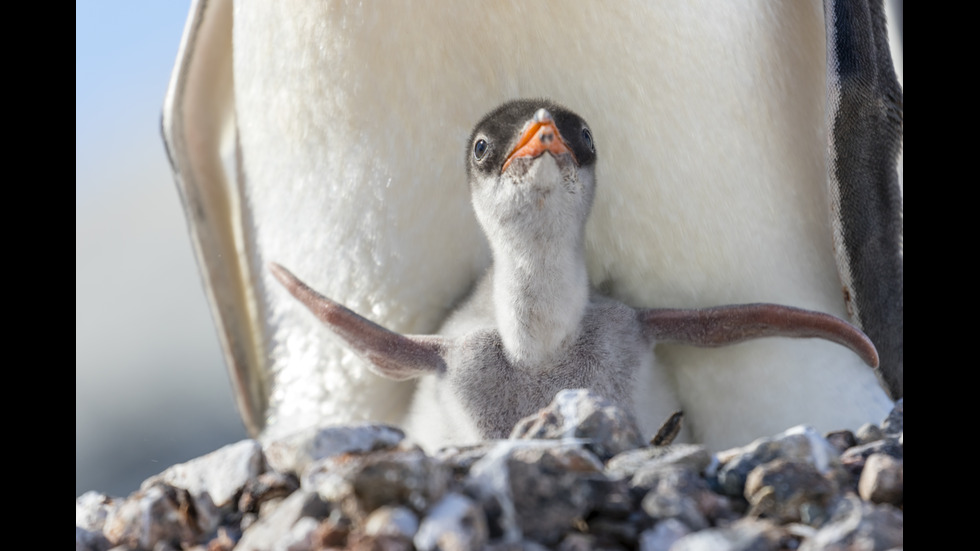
540 137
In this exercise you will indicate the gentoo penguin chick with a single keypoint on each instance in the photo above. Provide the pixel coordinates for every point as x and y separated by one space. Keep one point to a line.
533 326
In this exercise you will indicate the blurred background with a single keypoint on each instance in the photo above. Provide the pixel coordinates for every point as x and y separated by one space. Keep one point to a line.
150 384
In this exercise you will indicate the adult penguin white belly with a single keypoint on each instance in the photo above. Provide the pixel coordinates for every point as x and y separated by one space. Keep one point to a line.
715 171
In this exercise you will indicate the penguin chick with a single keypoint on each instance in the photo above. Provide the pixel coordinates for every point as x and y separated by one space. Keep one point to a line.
533 326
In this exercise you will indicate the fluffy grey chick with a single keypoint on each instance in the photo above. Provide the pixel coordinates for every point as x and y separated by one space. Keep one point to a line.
533 326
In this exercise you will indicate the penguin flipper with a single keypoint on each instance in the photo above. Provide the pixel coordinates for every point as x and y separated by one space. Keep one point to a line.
388 354
865 119
198 126
732 324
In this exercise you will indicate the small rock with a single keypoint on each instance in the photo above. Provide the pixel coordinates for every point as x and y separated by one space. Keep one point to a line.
742 535
674 494
854 459
392 521
539 488
605 429
225 540
92 509
799 443
220 474
611 498
264 488
780 488
461 459
454 523
519 545
841 440
160 514
334 532
299 537
612 533
868 433
360 484
882 480
278 526
578 542
893 425
859 525
364 542
663 536
629 463
90 540
296 452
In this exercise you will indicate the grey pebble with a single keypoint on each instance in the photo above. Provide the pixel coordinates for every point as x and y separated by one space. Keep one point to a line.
295 452
394 521
868 433
799 443
882 480
859 525
360 483
580 414
455 523
742 535
540 487
278 526
781 490
627 464
893 425
662 536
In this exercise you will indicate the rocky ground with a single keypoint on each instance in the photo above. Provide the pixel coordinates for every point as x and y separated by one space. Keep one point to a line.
576 476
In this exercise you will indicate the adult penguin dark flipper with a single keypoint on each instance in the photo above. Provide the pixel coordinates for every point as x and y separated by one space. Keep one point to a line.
865 119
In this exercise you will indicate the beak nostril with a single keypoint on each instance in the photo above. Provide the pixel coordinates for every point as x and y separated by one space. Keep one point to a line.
542 115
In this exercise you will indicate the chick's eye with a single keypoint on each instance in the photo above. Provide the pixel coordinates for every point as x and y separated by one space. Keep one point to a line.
480 149
587 138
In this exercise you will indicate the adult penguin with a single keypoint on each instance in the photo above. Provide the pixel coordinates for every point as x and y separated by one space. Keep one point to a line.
749 155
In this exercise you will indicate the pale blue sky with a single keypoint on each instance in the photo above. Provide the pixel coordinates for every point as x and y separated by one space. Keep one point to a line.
123 55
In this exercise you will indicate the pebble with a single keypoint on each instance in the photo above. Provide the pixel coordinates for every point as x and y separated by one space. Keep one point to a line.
394 521
580 414
539 487
360 483
158 515
663 536
278 525
219 475
841 440
781 489
629 463
857 524
882 480
800 443
674 493
743 535
455 523
92 509
855 458
894 422
294 453
868 433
